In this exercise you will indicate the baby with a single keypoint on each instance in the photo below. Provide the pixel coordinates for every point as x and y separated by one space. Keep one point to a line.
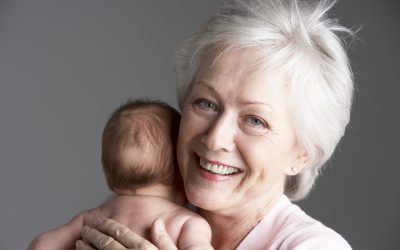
138 157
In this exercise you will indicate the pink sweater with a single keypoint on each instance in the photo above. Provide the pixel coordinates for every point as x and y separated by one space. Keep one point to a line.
287 227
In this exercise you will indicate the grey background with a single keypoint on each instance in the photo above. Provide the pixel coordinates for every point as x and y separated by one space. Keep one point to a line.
65 65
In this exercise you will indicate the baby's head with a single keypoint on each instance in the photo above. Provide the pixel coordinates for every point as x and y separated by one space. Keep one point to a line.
138 145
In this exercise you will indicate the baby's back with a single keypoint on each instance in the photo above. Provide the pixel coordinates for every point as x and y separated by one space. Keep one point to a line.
139 212
186 228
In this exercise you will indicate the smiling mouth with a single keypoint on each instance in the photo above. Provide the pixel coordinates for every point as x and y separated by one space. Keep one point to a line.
217 169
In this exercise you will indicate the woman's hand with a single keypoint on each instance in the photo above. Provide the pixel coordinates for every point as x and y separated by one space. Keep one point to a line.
107 234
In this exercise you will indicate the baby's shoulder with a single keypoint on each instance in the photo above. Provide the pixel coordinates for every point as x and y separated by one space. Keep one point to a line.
179 215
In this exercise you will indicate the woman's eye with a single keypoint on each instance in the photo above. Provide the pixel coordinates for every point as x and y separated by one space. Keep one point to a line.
256 122
206 105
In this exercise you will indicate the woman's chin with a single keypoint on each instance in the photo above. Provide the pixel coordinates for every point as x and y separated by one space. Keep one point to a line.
206 204
206 199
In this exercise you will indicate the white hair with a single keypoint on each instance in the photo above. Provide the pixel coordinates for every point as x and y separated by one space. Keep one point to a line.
298 38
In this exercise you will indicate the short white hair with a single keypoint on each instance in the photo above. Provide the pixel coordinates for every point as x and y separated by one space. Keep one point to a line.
298 38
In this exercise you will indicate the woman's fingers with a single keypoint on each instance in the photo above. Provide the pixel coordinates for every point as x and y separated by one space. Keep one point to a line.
81 245
99 240
108 234
160 236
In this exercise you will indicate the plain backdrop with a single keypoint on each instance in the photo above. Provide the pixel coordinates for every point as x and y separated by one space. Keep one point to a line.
65 65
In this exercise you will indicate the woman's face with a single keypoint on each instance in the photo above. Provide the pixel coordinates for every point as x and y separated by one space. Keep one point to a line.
236 142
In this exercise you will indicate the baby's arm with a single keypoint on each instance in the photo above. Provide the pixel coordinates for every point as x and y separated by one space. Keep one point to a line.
195 235
61 238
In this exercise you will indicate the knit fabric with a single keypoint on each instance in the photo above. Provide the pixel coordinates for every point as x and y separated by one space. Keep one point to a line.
287 227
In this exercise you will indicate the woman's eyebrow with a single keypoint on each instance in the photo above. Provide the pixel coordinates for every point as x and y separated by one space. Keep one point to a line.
264 104
203 83
255 103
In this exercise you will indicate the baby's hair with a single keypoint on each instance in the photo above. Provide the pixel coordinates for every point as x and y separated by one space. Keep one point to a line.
138 145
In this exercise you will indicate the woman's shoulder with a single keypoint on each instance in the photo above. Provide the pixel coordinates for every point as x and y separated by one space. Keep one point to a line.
297 230
289 227
306 233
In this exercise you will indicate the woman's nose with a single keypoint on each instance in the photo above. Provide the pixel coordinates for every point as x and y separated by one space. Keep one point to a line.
221 134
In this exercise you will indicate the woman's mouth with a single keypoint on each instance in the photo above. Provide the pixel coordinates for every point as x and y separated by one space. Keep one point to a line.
217 168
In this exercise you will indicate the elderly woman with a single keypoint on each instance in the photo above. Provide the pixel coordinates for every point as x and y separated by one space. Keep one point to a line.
265 91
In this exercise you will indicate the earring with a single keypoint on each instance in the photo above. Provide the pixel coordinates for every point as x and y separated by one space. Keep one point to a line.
294 170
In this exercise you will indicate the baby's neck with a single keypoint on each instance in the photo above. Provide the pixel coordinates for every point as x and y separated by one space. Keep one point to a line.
156 190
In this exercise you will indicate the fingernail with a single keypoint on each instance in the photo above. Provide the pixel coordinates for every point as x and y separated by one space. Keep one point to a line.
78 244
160 225
84 230
98 221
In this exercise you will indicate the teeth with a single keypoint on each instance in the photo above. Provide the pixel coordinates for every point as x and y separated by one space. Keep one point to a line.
217 169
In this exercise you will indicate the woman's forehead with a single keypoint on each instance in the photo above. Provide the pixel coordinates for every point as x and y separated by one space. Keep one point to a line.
243 59
249 62
240 69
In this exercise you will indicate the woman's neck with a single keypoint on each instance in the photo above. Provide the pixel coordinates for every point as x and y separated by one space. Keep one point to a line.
229 229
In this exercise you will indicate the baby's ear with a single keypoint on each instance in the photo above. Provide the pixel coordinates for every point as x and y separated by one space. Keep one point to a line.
300 163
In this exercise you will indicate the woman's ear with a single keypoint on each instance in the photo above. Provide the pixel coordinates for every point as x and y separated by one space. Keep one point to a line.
300 163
